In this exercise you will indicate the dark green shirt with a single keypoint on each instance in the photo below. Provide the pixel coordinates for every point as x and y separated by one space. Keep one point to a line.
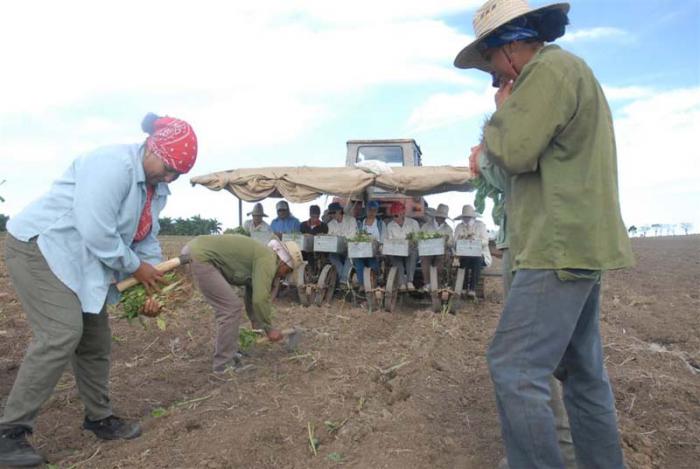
242 261
554 136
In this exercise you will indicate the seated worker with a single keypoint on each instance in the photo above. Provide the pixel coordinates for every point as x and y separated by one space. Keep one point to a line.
285 221
314 225
257 223
341 225
399 228
355 210
436 224
222 261
471 228
374 227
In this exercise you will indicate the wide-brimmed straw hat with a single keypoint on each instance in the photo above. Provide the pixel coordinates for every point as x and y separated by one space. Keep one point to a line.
492 15
442 211
467 212
257 210
295 253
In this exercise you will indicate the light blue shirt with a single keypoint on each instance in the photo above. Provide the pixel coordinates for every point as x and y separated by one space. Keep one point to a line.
286 225
87 221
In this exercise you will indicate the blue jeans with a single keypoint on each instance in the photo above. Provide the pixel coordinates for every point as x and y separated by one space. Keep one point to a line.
547 323
360 264
342 265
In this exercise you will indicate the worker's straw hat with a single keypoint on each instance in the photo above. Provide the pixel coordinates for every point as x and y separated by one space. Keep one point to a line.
467 212
295 253
442 211
257 210
492 15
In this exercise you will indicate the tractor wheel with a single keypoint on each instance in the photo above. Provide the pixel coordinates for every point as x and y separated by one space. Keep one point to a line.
326 285
392 290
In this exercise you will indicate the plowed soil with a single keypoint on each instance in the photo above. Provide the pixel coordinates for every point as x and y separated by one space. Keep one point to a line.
378 390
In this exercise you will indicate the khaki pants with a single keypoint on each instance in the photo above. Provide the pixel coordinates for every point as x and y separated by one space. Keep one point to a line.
228 308
556 402
62 334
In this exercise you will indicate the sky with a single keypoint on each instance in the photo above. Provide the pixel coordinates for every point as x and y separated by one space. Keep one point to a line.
288 82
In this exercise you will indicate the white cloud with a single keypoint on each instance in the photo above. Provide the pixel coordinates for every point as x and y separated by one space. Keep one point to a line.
443 109
77 50
623 93
595 34
657 156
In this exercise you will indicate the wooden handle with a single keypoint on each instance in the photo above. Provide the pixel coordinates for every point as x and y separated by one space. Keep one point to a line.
166 266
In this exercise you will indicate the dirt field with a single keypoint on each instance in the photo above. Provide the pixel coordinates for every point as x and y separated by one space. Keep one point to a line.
409 390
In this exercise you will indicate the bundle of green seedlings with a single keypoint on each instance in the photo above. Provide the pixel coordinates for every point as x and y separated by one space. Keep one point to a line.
134 298
422 236
239 230
247 338
361 237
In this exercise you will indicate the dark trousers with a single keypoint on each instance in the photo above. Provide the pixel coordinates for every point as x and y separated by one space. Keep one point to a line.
473 268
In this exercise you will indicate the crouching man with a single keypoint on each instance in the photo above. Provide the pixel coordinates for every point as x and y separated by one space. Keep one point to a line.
222 261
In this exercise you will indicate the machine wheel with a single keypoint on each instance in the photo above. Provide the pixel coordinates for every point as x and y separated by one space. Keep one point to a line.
370 283
326 285
274 293
392 290
300 282
434 294
480 291
459 283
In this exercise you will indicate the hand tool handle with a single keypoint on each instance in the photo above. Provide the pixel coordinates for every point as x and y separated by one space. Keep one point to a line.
166 266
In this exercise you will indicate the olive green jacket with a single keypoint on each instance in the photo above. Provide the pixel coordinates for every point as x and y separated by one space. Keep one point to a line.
554 136
242 261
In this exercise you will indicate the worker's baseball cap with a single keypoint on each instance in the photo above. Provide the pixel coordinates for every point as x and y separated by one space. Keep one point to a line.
335 207
282 205
372 204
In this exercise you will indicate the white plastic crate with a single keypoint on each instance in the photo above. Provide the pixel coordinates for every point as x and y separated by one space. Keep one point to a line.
468 248
362 250
327 243
431 247
263 237
395 247
304 241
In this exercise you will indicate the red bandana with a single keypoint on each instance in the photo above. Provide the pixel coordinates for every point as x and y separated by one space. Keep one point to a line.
174 142
146 220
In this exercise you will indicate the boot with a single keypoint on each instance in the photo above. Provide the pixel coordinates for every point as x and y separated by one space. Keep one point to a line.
15 450
113 428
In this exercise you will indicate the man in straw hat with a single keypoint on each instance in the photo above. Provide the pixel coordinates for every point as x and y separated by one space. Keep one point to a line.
257 223
552 133
220 261
437 223
471 228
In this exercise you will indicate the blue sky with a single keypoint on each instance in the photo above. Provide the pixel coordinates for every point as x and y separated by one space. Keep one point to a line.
286 83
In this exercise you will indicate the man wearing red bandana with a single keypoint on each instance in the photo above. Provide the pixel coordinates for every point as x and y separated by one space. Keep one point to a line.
97 224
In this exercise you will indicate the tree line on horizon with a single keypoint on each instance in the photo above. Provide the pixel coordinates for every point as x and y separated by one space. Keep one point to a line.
660 229
193 226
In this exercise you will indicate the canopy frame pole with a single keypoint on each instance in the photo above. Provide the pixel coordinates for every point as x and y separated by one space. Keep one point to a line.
240 212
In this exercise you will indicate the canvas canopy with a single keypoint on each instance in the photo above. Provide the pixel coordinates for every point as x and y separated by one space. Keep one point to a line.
303 184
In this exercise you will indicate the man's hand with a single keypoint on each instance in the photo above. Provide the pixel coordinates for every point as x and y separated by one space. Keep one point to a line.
503 92
149 276
274 335
151 307
474 159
